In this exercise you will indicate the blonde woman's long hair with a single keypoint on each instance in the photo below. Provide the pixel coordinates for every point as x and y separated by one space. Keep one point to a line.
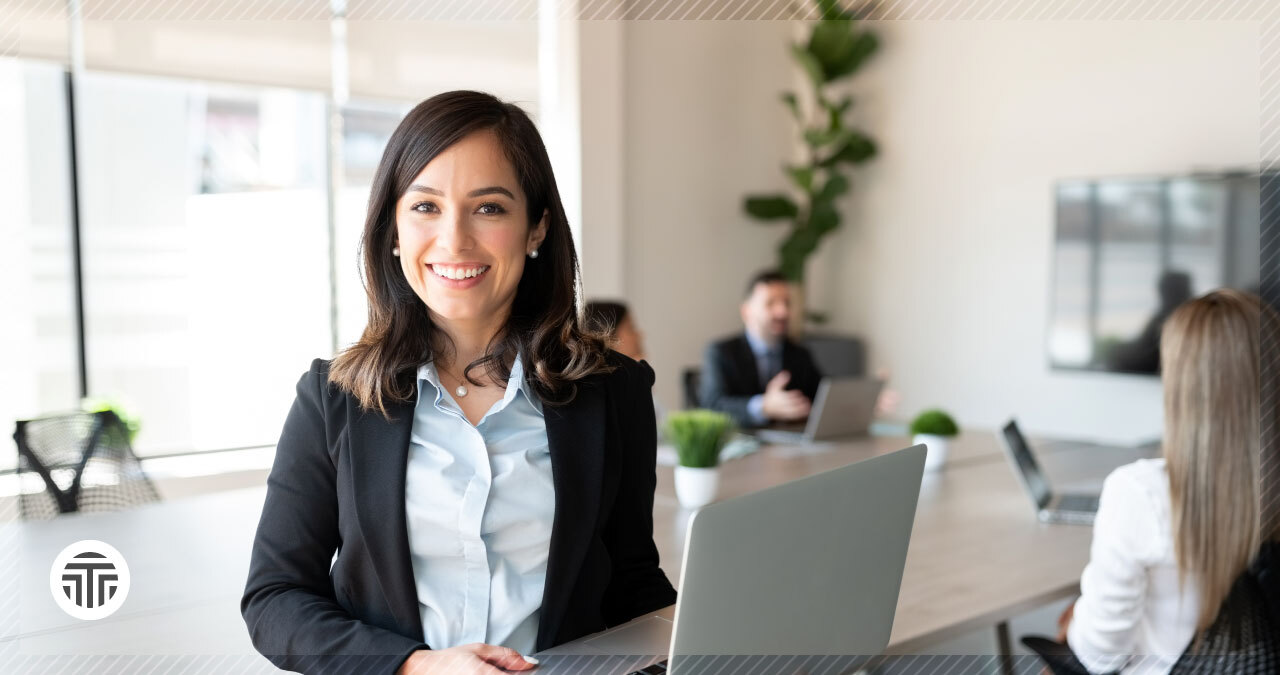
1211 371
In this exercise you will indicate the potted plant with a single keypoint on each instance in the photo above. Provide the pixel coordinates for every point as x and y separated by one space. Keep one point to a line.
698 437
130 423
835 50
934 428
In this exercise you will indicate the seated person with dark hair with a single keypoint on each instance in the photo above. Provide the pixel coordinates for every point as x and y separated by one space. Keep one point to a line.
760 376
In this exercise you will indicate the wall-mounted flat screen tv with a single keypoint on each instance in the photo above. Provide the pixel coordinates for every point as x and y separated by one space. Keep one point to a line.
1128 251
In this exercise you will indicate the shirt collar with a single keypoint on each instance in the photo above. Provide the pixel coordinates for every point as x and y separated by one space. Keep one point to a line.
516 382
759 347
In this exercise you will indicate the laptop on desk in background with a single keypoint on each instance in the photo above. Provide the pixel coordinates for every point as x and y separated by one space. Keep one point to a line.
843 407
1076 509
800 573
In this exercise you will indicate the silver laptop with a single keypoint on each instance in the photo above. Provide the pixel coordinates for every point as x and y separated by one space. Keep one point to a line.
799 573
843 406
1078 509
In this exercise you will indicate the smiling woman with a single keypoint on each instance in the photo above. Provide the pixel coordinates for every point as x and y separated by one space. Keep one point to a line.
465 189
471 524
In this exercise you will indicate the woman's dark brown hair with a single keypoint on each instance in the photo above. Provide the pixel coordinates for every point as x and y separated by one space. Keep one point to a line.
543 325
604 316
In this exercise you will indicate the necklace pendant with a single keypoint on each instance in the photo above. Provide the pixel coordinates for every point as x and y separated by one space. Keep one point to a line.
460 391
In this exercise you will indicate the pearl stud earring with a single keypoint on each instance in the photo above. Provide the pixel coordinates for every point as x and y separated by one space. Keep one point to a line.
533 253
396 251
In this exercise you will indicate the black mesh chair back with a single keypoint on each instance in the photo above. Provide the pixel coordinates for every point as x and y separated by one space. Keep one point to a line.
85 463
690 380
1245 638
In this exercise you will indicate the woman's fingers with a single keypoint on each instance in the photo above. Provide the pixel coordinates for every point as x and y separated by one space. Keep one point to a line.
503 657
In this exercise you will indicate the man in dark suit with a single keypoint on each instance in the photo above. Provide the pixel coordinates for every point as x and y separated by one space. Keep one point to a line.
760 376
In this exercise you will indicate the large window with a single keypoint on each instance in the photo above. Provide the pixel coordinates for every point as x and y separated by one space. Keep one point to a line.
37 294
218 248
205 234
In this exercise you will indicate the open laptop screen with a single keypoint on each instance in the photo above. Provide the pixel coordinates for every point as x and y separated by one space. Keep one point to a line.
1032 477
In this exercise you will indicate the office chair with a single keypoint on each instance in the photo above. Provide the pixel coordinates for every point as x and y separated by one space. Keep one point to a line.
691 379
838 355
1243 640
85 462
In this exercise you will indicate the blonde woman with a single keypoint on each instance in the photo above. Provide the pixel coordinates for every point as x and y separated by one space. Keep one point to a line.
1173 534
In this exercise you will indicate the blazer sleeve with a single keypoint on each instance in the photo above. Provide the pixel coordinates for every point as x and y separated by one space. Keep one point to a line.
713 391
289 603
811 376
638 585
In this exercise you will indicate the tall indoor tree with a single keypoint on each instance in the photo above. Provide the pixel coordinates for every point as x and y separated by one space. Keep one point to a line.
836 49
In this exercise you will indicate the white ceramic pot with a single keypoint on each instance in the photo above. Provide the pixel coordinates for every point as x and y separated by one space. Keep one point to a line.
696 486
938 447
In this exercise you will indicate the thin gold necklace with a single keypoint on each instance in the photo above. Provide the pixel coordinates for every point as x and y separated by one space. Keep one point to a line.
462 390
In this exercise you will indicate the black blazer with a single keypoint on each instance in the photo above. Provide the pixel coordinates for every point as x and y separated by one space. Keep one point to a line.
338 484
730 376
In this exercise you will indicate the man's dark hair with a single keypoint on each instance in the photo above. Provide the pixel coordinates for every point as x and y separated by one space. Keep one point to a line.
769 276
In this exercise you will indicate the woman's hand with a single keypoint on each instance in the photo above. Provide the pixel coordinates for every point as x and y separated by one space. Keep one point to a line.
1064 621
472 659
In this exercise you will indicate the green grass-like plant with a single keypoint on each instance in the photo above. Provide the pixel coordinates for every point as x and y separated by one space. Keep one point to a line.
934 422
698 436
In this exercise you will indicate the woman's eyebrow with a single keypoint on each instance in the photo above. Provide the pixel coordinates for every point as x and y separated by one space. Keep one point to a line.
492 190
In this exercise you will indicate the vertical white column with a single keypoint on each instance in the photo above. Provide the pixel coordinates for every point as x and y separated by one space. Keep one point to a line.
339 92
559 103
603 112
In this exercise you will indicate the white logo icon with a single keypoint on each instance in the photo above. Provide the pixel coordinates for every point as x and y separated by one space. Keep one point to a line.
89 580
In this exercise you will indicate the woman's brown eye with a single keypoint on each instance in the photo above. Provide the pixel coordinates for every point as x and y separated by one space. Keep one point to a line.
424 207
491 209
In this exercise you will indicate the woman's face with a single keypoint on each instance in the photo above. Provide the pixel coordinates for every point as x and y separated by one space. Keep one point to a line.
628 340
463 232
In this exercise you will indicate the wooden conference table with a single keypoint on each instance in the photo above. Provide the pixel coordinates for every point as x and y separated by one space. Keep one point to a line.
977 557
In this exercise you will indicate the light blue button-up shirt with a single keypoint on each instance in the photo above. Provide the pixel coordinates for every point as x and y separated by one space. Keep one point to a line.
479 504
762 351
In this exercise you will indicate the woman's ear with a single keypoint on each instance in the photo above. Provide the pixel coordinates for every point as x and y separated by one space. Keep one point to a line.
539 232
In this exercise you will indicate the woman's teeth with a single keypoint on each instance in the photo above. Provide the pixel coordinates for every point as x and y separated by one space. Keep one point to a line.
457 273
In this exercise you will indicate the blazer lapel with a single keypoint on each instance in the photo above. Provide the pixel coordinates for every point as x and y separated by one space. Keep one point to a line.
379 457
746 364
575 436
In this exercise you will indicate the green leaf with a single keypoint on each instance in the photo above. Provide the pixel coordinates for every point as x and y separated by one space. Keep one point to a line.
770 207
802 176
823 218
855 149
844 104
830 9
831 44
812 67
835 186
851 56
789 99
795 249
817 138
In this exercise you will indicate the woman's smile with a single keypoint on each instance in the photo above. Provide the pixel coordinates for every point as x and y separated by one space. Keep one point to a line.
458 275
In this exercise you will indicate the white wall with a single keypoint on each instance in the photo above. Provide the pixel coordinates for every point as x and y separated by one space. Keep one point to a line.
703 126
945 257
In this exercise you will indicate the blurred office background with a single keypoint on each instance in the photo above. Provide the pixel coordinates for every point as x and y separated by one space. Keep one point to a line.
217 242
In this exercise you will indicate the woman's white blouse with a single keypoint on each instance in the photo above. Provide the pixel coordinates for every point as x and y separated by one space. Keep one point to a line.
479 504
1131 614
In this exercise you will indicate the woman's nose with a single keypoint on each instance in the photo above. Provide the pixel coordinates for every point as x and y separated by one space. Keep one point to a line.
455 233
